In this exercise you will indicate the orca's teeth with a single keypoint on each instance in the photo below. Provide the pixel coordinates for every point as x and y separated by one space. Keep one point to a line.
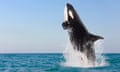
65 13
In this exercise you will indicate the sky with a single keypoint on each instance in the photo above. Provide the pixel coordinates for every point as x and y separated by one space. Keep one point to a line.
34 26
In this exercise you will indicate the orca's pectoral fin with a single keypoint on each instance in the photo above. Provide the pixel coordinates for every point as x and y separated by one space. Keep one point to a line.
95 37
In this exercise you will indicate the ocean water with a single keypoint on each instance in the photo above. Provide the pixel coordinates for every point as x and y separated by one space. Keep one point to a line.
47 62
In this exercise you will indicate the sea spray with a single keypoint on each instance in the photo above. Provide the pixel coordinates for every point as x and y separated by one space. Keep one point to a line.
74 54
73 58
99 49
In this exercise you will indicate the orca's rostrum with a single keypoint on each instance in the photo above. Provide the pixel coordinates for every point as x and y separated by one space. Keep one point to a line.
81 40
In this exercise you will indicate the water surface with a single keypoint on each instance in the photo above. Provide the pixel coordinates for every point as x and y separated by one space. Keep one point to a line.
47 62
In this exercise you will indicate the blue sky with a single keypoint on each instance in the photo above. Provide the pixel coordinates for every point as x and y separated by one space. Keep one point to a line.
35 25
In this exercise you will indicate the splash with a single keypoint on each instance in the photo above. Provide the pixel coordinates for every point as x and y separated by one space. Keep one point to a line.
75 58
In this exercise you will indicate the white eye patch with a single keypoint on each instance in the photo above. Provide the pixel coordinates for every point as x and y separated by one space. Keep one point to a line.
66 13
71 14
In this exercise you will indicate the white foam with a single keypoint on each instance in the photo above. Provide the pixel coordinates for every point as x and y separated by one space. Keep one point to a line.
73 58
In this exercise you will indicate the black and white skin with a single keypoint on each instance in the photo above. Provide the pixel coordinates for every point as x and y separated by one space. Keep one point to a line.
81 40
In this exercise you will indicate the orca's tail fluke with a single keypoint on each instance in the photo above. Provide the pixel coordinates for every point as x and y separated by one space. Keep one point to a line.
95 37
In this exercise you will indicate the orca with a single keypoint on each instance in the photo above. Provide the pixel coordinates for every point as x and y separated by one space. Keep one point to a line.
81 40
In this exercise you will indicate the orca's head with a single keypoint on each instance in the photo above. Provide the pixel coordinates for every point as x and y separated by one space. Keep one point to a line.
71 18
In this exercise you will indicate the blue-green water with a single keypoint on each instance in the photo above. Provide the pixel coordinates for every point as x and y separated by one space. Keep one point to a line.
50 63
